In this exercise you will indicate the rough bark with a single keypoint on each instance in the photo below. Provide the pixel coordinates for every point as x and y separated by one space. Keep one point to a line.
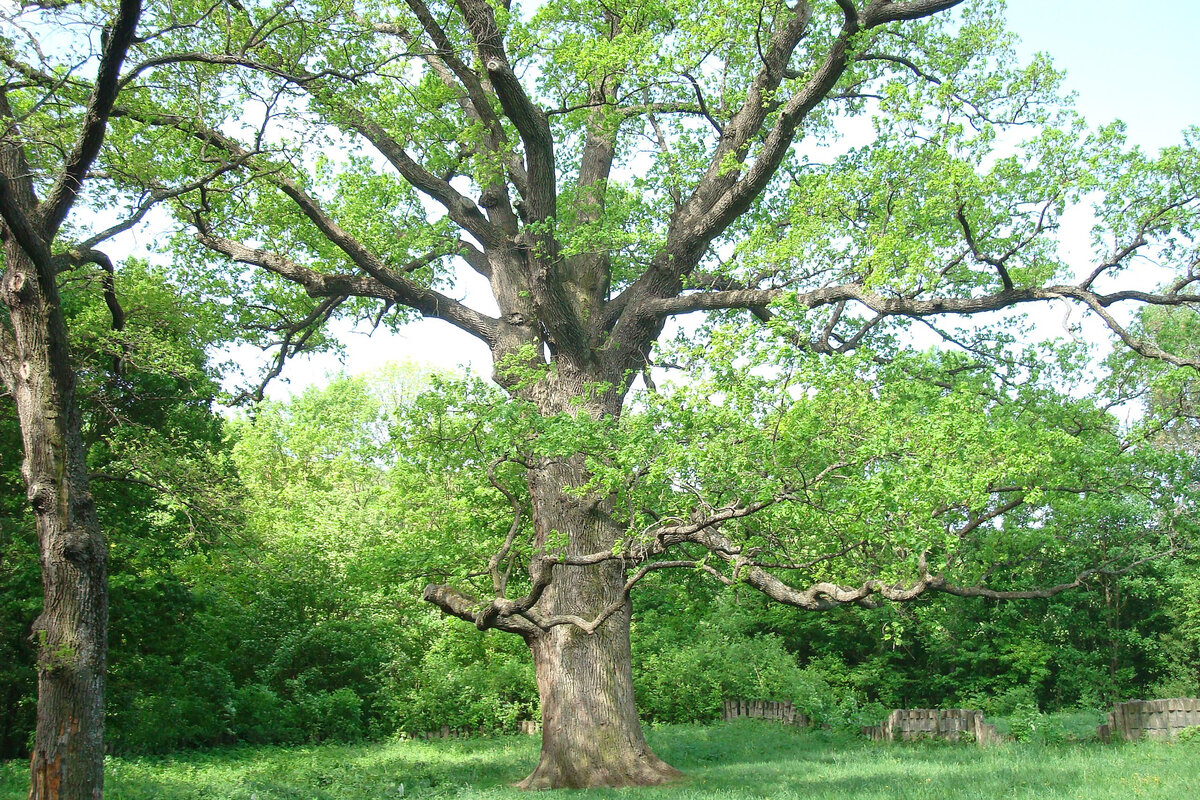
591 734
70 633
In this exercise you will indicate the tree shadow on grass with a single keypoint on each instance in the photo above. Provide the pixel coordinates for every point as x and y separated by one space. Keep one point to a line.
855 770
722 762
362 772
898 780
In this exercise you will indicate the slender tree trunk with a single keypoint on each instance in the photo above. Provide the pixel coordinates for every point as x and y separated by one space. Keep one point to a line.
70 633
591 735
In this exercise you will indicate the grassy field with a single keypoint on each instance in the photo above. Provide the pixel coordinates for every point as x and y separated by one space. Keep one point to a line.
747 759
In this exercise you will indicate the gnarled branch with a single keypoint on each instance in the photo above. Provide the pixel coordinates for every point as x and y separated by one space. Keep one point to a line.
394 288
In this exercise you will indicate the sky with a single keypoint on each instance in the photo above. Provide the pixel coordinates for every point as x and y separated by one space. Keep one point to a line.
1137 62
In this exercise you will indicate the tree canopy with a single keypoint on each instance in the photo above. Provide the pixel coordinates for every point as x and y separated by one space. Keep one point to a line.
813 178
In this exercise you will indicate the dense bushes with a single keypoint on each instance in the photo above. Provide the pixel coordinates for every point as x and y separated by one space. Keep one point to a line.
467 680
688 683
278 602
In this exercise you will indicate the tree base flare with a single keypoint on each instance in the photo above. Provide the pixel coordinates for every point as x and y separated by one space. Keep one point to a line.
644 769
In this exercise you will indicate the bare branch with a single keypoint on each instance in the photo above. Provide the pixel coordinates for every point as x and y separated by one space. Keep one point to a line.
999 511
475 259
18 200
724 194
1114 260
559 316
394 287
1098 304
1050 591
702 106
404 290
530 121
849 12
18 223
912 307
477 100
747 121
458 207
295 338
109 285
153 198
590 626
880 12
230 60
960 215
461 209
500 580
823 596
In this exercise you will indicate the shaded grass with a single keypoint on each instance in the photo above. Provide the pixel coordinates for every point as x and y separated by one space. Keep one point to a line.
746 759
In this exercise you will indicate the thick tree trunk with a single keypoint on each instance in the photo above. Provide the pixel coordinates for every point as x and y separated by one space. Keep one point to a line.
591 735
70 633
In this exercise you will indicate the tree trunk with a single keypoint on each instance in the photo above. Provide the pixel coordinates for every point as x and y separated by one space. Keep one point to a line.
591 735
70 633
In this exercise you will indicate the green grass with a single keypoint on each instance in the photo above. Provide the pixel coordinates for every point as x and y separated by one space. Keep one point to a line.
747 759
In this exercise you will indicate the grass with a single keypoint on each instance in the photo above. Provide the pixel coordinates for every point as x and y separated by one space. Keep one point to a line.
746 759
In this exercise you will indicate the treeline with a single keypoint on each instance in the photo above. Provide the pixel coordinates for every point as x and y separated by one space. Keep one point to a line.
267 570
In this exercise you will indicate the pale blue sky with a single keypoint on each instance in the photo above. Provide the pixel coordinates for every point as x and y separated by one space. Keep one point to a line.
1138 62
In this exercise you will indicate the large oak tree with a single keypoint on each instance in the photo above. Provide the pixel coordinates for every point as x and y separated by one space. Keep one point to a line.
826 172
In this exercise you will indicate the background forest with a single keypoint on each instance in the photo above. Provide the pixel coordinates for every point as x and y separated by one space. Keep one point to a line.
267 567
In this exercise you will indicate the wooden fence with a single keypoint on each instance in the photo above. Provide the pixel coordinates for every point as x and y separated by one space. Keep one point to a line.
953 724
783 712
1153 719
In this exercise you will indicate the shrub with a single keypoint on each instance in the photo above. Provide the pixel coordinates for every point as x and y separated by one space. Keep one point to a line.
688 682
1006 703
466 680
1024 722
175 705
335 716
262 717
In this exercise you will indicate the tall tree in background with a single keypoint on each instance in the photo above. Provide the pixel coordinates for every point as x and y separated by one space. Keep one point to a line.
42 172
605 167
161 483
